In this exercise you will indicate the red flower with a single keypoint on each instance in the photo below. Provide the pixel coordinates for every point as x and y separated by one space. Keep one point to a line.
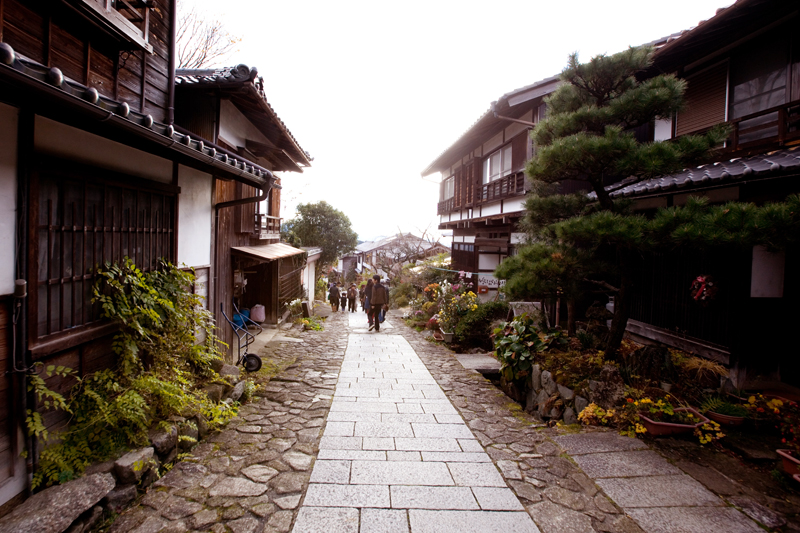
630 400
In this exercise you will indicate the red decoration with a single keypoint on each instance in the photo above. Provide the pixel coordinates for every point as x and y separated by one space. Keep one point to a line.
703 289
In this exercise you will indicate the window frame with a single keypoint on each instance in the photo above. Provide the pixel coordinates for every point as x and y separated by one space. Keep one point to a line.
506 164
107 15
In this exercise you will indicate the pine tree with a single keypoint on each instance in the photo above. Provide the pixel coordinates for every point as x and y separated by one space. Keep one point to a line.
589 136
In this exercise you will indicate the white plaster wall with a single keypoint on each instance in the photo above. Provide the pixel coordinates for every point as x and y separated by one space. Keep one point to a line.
488 261
491 209
663 129
8 196
234 128
469 238
767 273
309 275
513 205
58 139
195 217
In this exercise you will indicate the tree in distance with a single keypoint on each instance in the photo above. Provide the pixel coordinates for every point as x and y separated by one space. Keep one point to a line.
321 225
201 42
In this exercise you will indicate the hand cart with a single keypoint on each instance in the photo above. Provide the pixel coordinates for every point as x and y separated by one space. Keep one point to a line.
250 362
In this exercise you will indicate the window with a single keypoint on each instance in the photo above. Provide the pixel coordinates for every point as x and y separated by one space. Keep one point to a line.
82 223
448 188
758 81
497 165
129 19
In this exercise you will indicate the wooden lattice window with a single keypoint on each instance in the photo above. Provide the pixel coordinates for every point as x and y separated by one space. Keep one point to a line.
82 222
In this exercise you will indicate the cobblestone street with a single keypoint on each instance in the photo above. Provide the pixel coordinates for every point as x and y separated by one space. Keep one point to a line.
386 431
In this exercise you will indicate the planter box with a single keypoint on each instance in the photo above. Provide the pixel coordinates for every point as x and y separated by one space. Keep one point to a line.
658 429
725 420
791 464
448 337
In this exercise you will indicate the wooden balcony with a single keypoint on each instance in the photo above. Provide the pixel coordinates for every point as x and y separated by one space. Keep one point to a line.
776 125
267 227
506 187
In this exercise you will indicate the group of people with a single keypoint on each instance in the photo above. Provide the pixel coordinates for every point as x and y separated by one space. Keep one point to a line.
374 297
338 297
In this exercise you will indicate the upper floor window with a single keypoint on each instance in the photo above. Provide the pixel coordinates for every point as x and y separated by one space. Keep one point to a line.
129 19
448 188
497 165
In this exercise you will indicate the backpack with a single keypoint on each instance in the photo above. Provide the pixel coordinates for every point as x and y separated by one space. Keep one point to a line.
351 293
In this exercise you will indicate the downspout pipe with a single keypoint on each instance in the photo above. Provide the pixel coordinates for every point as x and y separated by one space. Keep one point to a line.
173 44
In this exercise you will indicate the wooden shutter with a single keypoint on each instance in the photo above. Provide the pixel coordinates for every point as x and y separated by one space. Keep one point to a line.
705 100
519 151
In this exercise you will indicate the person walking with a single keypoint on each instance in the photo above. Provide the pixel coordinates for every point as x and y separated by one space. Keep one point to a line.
379 300
333 297
352 294
362 297
367 294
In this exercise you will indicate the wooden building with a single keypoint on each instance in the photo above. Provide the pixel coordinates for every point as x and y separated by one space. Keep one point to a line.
92 169
743 68
483 183
228 107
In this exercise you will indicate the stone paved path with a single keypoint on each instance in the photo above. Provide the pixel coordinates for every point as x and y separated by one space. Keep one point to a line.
388 432
396 455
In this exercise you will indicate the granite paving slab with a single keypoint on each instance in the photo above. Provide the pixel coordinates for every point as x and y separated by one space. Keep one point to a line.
694 520
597 442
658 491
625 464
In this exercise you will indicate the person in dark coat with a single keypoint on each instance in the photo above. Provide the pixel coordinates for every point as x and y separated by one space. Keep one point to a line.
333 297
352 294
379 300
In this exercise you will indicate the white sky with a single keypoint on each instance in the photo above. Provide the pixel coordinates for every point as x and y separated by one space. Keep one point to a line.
376 90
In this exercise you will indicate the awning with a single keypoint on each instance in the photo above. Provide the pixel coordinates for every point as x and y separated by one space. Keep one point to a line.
267 252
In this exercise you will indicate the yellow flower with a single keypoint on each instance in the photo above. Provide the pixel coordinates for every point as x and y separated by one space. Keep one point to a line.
751 399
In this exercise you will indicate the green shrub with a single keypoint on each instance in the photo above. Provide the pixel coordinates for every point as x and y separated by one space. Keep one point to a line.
161 368
475 328
516 344
401 301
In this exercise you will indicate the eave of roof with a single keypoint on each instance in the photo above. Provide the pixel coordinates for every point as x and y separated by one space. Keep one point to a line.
253 102
722 173
712 37
487 121
267 252
44 82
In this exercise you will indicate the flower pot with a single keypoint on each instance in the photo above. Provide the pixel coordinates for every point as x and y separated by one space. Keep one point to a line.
725 420
438 336
791 464
448 337
658 429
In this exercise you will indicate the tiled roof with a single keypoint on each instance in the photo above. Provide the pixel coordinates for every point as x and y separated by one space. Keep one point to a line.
237 75
713 174
13 63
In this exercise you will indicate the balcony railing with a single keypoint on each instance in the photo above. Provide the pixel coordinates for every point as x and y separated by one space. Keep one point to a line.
506 187
779 124
511 185
267 227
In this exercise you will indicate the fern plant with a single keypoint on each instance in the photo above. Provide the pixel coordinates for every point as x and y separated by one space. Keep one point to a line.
161 366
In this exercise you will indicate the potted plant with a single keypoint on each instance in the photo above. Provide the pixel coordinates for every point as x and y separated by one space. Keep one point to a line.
765 412
455 301
661 418
726 413
790 437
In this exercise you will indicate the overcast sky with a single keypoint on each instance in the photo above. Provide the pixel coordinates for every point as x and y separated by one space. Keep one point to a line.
376 90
